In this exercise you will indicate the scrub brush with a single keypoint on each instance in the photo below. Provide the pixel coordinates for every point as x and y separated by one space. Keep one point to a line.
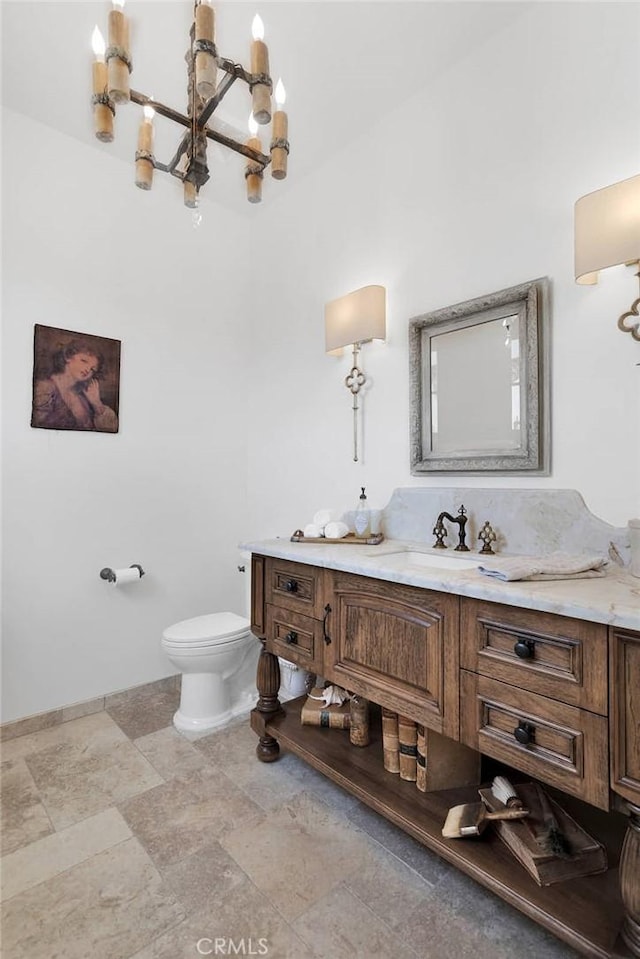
505 793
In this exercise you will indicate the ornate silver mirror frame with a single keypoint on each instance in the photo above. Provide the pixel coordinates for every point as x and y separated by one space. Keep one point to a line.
479 382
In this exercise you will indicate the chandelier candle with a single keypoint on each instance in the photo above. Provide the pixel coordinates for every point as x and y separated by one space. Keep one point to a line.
144 163
260 92
254 173
190 194
118 60
280 143
206 68
102 109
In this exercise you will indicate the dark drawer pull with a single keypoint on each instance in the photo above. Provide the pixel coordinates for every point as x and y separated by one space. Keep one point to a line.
525 648
291 638
525 733
291 586
325 634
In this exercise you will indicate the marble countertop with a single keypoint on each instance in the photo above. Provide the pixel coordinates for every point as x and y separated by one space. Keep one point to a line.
613 599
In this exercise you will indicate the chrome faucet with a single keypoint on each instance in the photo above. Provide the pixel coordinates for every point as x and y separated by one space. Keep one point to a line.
440 530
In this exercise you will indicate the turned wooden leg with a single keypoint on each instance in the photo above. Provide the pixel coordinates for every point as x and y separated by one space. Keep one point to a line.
630 881
268 705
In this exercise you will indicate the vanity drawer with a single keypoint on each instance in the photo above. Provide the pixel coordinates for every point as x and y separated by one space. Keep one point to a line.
555 656
562 745
295 637
294 586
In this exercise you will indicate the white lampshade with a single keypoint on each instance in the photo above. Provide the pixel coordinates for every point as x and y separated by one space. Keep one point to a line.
607 229
355 318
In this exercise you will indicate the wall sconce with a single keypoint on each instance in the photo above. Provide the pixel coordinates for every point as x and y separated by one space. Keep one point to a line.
607 233
352 320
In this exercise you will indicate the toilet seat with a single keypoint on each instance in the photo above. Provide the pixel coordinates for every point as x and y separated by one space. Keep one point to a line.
214 629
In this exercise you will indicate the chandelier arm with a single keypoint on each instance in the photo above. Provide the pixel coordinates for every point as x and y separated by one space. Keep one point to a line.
213 103
236 69
182 149
164 111
246 151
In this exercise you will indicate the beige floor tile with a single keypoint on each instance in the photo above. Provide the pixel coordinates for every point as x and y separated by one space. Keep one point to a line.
180 817
340 926
297 853
471 907
170 753
60 851
65 736
144 712
107 907
90 767
435 931
233 750
199 881
390 888
24 818
243 922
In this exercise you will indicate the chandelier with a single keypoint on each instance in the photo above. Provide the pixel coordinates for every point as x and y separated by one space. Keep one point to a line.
112 67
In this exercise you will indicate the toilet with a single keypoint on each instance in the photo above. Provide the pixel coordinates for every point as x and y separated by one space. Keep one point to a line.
212 652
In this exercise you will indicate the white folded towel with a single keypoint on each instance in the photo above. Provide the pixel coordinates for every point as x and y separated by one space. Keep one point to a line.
312 531
553 566
324 516
336 530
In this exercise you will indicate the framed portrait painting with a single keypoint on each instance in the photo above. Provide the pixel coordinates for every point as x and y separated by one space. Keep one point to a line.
76 381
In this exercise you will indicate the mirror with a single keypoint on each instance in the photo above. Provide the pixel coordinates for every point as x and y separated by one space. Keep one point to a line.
479 384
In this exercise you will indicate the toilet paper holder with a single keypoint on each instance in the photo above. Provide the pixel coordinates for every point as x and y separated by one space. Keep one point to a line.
110 575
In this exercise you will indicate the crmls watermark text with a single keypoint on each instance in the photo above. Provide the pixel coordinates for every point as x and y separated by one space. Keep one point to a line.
224 946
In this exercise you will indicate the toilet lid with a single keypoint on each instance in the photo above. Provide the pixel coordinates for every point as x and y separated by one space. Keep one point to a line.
216 627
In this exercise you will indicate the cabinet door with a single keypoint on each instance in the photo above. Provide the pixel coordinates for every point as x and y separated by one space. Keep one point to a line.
624 674
396 645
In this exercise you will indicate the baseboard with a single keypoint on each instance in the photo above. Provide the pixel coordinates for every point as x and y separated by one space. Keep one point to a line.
63 714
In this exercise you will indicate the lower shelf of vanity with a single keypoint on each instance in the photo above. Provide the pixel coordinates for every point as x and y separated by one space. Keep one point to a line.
586 913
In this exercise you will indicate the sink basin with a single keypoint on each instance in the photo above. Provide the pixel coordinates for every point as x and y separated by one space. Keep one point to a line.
412 559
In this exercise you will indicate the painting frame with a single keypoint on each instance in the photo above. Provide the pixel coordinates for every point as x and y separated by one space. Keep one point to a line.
76 381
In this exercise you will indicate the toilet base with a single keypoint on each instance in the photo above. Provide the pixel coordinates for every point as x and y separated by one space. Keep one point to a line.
185 723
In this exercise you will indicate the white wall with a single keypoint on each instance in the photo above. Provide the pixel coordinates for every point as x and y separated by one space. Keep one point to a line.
234 424
467 188
84 250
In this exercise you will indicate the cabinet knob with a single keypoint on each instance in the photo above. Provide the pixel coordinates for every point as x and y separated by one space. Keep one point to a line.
291 586
291 638
525 733
525 648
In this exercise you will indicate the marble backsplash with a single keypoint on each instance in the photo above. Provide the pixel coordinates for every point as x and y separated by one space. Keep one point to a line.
529 522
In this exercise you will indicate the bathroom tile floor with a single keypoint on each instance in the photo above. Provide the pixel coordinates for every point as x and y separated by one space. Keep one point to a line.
123 839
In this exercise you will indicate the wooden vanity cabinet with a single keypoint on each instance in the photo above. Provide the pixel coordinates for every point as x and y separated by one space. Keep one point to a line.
476 672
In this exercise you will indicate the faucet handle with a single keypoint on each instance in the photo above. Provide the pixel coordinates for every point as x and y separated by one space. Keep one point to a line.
488 536
439 531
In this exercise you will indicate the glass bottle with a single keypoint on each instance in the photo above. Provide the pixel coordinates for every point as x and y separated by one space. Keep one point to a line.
362 521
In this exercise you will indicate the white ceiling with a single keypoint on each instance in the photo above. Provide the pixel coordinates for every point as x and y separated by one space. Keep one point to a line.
345 63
